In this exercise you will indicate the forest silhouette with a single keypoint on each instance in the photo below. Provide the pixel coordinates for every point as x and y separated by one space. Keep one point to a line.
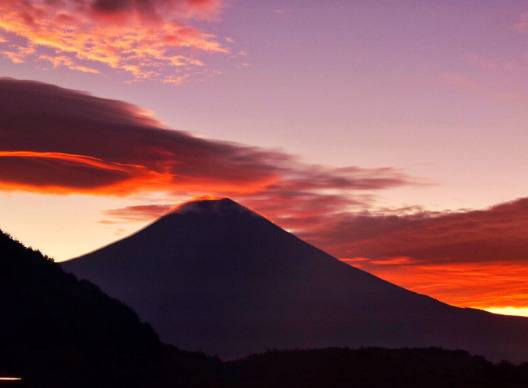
57 331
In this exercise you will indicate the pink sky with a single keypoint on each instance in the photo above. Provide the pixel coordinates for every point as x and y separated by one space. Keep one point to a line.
434 91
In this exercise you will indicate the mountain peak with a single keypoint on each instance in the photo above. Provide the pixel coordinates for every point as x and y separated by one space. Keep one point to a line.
211 206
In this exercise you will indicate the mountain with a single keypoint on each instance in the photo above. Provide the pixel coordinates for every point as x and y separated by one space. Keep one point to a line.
216 277
57 331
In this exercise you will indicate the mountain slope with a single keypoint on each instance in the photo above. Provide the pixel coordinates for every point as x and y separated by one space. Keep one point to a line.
214 276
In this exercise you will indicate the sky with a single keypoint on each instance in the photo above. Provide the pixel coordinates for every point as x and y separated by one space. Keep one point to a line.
391 134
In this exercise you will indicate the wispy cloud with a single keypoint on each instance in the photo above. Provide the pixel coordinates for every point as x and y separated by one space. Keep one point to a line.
64 61
18 54
136 213
146 39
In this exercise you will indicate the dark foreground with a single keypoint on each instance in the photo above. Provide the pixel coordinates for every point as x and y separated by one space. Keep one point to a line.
59 332
325 368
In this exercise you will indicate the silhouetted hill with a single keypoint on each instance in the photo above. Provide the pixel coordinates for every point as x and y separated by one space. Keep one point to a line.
216 277
370 367
57 331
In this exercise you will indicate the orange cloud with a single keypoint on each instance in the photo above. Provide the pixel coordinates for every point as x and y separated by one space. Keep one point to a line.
479 284
147 39
467 258
57 172
19 54
62 60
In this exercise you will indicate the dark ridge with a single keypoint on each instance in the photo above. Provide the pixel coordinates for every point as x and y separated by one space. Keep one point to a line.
57 331
373 368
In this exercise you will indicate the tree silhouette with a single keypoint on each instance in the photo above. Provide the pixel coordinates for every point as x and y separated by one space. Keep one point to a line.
57 331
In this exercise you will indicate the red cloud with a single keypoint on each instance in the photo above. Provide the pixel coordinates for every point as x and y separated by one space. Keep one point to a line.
475 284
469 258
81 172
497 233
137 213
145 38
60 140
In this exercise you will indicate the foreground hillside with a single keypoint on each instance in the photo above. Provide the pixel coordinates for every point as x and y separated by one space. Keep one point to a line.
216 277
373 368
57 331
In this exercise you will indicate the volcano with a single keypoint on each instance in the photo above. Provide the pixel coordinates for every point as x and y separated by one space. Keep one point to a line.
216 277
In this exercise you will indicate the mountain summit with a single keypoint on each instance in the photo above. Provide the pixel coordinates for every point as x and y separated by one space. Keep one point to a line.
215 276
217 206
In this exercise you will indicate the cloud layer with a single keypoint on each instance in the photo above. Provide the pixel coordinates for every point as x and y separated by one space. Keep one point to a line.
470 258
494 234
60 140
145 38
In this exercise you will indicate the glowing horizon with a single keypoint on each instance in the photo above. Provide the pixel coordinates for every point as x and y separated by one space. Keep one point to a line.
509 310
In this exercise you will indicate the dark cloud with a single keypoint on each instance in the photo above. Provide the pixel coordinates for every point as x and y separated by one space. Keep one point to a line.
490 235
140 153
115 5
42 173
68 141
156 7
136 213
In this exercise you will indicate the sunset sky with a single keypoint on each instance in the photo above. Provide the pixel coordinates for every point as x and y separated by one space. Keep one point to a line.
393 135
